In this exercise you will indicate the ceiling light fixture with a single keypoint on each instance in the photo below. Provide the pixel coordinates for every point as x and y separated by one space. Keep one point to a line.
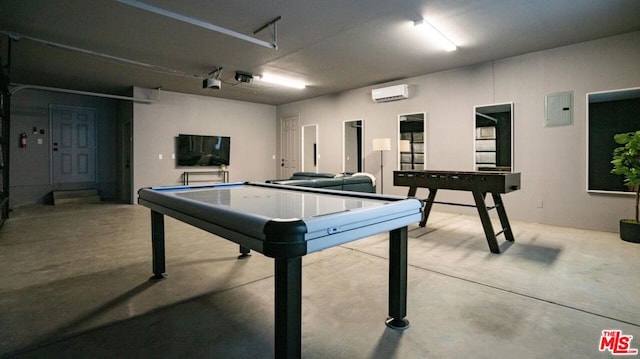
442 40
282 81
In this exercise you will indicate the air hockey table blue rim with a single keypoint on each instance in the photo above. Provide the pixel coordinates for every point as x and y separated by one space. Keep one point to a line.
294 245
363 195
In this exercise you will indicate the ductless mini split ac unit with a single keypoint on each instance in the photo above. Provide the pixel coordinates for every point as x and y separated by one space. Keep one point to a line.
391 93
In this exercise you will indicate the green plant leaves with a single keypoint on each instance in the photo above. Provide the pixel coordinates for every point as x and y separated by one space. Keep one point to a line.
626 161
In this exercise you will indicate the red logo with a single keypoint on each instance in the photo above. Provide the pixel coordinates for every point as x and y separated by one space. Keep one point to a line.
618 344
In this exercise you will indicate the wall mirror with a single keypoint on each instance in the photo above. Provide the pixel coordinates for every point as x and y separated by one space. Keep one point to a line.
493 137
310 148
352 134
411 141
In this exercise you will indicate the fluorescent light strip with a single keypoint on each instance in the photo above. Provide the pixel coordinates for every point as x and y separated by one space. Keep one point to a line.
442 40
277 80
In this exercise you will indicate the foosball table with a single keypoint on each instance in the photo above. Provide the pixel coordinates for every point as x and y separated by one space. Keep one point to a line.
478 183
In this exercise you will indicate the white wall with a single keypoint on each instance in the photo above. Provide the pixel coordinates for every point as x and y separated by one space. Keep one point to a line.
251 127
552 160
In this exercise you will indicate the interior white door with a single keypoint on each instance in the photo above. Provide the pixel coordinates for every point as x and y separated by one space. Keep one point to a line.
289 146
74 144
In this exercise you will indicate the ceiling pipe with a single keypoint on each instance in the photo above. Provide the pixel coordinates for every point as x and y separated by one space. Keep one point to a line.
19 87
17 37
208 25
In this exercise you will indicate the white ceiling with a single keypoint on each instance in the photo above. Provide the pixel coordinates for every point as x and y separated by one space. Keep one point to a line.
332 45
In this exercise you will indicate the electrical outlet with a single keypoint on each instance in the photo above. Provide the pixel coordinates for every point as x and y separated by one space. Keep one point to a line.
160 156
540 204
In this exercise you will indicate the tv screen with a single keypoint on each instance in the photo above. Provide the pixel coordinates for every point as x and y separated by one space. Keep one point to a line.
197 150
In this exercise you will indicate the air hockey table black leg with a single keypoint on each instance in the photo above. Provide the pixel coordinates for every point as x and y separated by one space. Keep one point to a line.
288 307
157 245
398 279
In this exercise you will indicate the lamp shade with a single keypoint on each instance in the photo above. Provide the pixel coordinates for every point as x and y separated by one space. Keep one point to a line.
382 144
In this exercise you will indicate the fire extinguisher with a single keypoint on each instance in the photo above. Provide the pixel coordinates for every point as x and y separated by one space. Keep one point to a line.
23 140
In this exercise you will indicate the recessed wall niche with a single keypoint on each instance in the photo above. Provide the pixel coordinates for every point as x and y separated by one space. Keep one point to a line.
352 145
310 148
493 137
411 142
608 113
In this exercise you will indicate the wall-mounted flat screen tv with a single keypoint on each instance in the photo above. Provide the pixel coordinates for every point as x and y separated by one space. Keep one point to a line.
198 150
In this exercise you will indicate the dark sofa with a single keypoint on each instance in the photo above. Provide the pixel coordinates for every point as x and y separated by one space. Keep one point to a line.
355 183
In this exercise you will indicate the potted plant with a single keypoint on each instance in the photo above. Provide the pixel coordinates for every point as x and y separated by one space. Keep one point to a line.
626 162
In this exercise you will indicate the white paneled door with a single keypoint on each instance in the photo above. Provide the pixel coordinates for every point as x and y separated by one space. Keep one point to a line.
289 146
73 141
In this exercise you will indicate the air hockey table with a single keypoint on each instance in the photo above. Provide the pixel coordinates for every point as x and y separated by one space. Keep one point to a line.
286 223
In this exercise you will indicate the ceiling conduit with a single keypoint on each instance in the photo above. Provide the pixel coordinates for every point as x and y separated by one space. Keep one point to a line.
19 87
166 70
210 26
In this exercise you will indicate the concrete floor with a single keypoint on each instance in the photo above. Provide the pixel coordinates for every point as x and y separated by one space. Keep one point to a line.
74 285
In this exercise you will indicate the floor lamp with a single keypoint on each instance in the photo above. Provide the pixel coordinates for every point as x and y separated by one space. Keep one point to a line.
381 144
